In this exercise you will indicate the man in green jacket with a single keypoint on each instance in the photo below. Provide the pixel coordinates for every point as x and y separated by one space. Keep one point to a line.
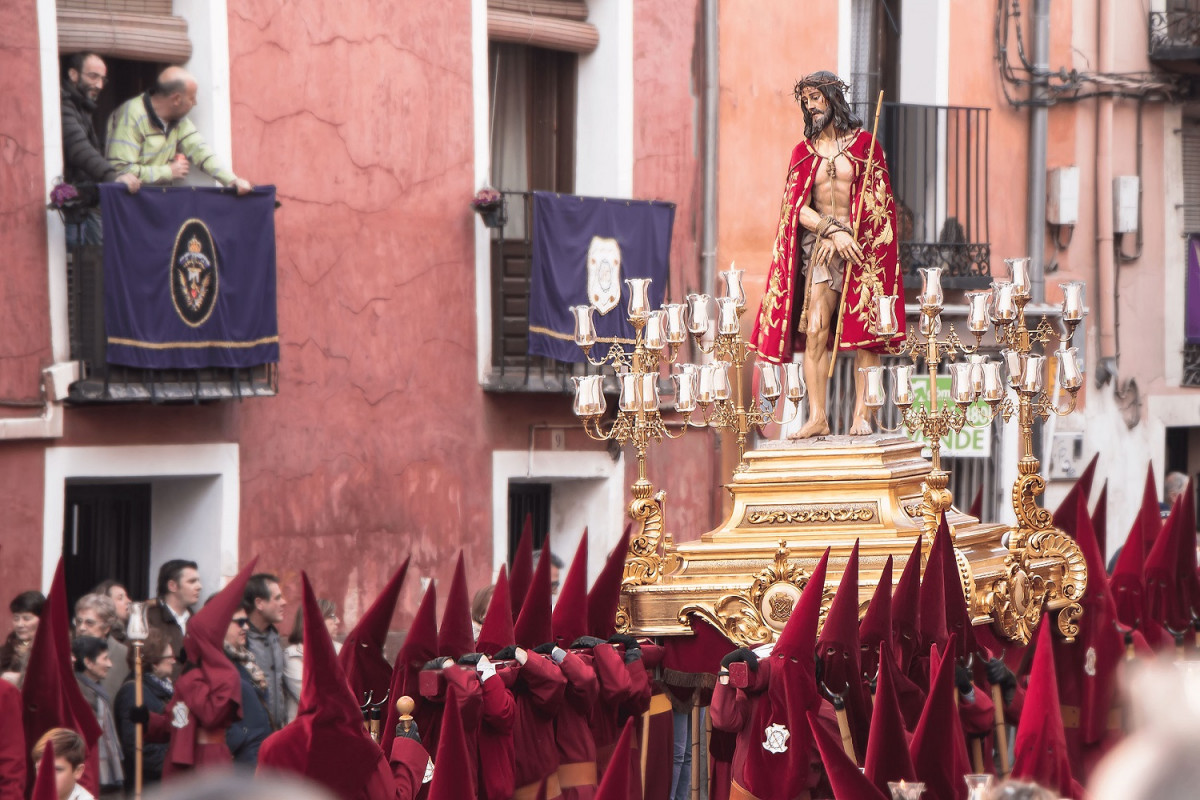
151 137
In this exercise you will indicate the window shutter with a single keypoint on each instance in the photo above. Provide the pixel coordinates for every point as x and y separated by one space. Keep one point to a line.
139 30
1191 175
550 24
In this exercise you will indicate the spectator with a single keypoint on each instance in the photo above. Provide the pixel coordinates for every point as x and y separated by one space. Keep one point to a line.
151 137
179 590
293 671
246 735
92 664
69 755
115 591
264 604
479 607
95 615
158 662
26 609
1173 486
83 162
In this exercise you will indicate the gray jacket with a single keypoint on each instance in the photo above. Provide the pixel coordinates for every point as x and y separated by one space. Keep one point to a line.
268 654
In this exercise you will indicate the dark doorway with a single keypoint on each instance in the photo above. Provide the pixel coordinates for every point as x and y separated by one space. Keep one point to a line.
532 499
106 534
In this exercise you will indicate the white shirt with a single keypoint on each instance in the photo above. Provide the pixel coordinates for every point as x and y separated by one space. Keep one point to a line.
182 620
80 793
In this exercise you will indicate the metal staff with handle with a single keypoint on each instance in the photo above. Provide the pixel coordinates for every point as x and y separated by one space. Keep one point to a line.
136 632
855 222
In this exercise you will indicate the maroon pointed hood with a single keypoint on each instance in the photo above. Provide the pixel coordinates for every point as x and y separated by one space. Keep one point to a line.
496 633
875 630
326 742
888 758
606 591
1100 521
204 641
958 616
521 572
939 748
1150 513
845 778
1040 752
533 626
839 652
1171 590
453 772
44 787
791 693
361 657
976 509
615 785
570 618
906 610
456 636
420 645
1064 515
1128 582
933 600
50 694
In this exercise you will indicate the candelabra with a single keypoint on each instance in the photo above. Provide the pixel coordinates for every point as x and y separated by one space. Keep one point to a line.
980 378
704 394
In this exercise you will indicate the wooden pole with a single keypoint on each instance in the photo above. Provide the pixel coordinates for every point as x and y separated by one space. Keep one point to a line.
1001 729
854 222
696 751
138 700
645 745
977 753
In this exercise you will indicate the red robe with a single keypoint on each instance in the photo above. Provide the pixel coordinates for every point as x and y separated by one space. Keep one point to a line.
200 712
782 318
576 747
616 685
496 757
12 744
539 694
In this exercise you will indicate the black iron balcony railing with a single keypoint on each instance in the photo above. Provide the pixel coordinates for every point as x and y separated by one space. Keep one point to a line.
938 162
1174 41
101 382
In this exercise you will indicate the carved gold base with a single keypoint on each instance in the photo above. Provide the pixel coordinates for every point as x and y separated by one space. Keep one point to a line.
791 501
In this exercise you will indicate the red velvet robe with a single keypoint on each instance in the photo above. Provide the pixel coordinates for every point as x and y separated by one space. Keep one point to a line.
782 318
576 747
13 753
212 708
539 694
496 757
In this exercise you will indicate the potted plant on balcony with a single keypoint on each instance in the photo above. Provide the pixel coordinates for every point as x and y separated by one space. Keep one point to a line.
490 205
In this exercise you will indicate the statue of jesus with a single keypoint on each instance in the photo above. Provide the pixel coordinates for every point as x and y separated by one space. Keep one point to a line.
835 251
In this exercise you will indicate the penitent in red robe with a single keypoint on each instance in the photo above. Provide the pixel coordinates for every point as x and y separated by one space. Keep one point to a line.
782 318
538 693
200 712
12 744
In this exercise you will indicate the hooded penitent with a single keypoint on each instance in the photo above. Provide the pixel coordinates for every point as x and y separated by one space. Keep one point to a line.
420 645
456 636
906 611
845 778
1149 513
888 758
875 630
1064 515
522 567
50 695
570 618
958 617
779 769
1100 521
1171 590
326 742
452 772
533 626
362 657
606 591
1040 753
939 749
44 787
839 653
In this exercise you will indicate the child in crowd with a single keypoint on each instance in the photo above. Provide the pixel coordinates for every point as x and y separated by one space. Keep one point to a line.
69 754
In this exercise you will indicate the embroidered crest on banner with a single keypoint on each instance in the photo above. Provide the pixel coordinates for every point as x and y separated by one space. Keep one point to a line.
194 273
604 274
776 738
179 717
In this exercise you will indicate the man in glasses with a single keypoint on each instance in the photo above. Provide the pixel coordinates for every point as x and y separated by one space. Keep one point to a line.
83 160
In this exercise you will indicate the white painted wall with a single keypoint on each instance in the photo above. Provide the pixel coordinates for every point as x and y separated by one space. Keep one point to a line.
208 29
195 496
480 95
604 114
588 489
925 52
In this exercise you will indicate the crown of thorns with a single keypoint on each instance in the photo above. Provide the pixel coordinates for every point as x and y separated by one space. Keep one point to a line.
819 80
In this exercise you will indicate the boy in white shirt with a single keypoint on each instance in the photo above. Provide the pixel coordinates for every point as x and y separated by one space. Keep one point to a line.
69 754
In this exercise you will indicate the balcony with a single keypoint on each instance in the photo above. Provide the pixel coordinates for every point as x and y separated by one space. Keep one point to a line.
938 162
1175 39
104 383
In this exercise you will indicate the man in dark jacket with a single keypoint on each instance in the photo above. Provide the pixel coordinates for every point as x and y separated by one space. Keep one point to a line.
83 160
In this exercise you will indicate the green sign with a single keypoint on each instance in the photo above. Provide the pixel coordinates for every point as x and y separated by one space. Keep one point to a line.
970 442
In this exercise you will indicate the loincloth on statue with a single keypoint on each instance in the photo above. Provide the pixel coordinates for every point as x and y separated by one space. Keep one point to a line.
833 273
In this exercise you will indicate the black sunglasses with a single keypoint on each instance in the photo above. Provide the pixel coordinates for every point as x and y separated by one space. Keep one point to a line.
241 622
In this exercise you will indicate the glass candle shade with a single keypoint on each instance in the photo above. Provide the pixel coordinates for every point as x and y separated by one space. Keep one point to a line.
706 391
648 394
902 388
793 381
676 330
993 382
721 387
698 314
768 381
732 278
1019 275
873 395
1014 364
960 383
888 324
1033 380
1070 374
930 325
685 389
629 391
589 395
977 311
931 287
639 297
585 329
1004 305
1072 305
653 336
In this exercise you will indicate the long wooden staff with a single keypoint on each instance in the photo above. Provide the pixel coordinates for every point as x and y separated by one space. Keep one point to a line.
856 220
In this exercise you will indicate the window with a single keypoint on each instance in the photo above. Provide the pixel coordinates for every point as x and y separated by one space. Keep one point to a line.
874 53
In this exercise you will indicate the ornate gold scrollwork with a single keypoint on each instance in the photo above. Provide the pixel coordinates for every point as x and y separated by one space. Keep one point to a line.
644 564
1068 621
1047 573
623 621
1015 601
966 578
735 617
810 514
1031 517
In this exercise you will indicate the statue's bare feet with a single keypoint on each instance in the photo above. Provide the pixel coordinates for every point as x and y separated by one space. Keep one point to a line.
818 425
861 427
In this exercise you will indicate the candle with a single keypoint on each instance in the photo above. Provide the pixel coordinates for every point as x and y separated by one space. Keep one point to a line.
639 297
931 287
727 316
653 335
1033 380
977 315
685 389
732 278
1072 305
793 374
673 316
1070 375
993 383
902 390
1019 275
768 381
960 383
705 393
698 316
629 391
585 329
873 396
721 387
1004 306
888 324
977 362
649 391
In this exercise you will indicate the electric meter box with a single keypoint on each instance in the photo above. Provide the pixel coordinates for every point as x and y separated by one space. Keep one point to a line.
1125 203
1062 196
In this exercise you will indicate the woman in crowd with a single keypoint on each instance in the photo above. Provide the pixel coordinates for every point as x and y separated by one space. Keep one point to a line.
92 664
26 609
123 603
158 662
246 735
293 673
